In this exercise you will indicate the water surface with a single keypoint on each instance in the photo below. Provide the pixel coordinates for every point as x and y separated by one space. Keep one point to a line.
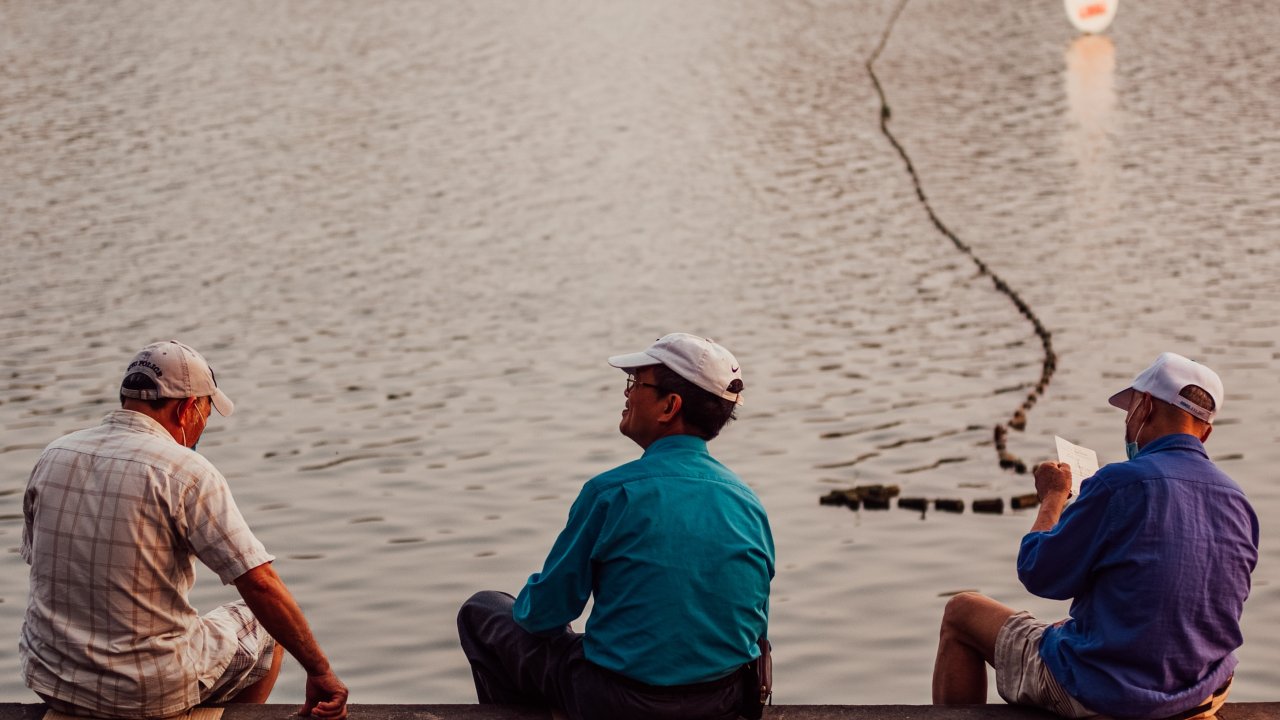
407 235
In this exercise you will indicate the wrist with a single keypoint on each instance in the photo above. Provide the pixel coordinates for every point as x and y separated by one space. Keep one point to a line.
1055 496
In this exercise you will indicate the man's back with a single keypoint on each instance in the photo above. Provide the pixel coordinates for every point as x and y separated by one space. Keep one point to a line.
681 557
115 516
1157 554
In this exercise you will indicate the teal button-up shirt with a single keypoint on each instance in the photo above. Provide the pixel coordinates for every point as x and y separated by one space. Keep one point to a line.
678 554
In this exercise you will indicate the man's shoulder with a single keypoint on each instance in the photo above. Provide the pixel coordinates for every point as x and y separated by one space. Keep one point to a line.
119 444
700 471
616 477
1175 473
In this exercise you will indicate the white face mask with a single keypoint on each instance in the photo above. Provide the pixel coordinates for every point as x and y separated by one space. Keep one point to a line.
1131 446
197 442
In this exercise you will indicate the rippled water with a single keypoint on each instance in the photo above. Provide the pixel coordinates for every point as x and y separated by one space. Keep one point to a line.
407 234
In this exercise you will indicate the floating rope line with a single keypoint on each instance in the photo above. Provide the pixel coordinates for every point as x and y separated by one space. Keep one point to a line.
1018 420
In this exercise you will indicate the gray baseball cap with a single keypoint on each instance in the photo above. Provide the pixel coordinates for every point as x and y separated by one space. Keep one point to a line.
179 372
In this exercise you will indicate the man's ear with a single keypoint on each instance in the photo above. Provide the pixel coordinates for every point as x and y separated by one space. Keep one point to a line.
184 406
671 407
1208 430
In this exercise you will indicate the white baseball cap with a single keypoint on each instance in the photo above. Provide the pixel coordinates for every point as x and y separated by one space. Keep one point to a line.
699 360
1166 378
179 372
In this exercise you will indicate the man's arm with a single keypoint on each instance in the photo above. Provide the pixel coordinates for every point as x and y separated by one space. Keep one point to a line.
1057 555
1053 485
556 596
272 603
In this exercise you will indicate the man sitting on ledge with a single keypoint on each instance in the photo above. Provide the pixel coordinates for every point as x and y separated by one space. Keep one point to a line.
1156 554
115 516
677 552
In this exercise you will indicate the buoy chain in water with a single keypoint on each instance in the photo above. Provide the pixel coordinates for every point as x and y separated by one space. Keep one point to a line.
1018 420
879 497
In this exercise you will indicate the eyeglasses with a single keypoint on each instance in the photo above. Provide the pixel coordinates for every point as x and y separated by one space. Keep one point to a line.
632 382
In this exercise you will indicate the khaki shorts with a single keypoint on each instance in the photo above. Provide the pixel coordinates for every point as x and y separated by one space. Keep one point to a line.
1023 679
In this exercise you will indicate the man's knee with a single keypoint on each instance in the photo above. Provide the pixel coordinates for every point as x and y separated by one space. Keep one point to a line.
482 606
968 615
959 610
974 620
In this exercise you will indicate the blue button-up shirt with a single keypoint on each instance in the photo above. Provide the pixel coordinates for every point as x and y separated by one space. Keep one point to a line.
678 553
1156 553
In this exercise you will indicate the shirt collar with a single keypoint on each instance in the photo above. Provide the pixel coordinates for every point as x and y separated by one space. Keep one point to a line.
673 443
1176 441
134 420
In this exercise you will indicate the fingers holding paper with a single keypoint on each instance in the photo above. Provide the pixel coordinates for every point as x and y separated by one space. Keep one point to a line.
1052 479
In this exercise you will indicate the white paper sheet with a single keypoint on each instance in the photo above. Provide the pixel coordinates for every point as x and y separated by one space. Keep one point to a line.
1083 461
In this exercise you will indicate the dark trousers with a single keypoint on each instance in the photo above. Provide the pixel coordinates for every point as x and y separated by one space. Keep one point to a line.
514 667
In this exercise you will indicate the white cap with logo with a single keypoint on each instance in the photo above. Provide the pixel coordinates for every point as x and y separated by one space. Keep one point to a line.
699 360
178 372
1166 378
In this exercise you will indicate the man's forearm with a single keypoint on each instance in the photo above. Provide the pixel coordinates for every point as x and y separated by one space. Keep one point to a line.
1051 507
272 603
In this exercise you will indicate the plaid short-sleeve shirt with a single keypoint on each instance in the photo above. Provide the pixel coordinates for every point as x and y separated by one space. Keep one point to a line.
115 516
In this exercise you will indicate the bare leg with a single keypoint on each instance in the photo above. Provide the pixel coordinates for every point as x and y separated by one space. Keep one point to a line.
966 645
258 692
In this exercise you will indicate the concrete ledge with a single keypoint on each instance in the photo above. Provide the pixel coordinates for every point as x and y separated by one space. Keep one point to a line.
1231 711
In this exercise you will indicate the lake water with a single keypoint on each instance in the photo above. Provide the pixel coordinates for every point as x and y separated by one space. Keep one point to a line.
408 234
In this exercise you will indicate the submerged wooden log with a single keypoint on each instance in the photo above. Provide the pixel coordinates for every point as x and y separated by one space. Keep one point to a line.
1019 502
871 497
993 506
913 503
946 505
841 498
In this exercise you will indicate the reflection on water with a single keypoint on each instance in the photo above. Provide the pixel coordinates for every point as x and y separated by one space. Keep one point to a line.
408 234
1091 129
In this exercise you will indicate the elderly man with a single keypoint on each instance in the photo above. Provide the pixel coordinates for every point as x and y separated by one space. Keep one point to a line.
114 517
1156 554
676 551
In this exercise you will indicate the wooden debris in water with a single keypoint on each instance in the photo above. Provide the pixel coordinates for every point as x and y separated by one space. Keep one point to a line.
1008 460
994 506
840 498
1019 502
947 505
870 497
875 503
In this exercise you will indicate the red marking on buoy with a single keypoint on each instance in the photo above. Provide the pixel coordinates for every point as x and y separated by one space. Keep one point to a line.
1093 10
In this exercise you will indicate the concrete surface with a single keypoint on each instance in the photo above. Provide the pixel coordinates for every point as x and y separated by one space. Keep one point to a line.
1232 711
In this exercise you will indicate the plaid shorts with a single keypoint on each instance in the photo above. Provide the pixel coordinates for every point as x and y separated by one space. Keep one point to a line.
1023 679
251 662
254 654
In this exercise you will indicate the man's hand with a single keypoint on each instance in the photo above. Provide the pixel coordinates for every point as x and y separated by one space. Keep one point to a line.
272 603
1053 485
1052 478
326 697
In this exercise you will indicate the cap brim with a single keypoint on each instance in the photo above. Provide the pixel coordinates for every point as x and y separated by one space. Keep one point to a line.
222 403
1122 398
633 360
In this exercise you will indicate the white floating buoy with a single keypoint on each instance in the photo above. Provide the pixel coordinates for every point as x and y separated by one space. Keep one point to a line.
1091 16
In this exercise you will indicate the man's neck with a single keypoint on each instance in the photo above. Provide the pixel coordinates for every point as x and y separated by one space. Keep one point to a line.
164 416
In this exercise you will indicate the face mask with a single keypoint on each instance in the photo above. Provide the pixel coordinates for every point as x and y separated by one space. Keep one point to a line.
195 444
1131 446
